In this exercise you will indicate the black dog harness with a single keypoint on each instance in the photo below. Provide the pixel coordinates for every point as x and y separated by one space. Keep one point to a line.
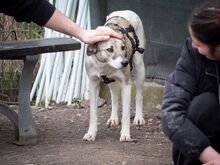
107 80
134 42
133 39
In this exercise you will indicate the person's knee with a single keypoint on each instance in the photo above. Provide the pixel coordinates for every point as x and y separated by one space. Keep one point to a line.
205 105
204 112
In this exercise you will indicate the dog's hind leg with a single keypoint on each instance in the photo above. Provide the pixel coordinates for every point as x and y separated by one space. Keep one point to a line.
94 94
139 77
113 120
126 102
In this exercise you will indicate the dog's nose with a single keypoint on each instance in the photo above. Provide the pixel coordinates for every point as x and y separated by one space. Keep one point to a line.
124 63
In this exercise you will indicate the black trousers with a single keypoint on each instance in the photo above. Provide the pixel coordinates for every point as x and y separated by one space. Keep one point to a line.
204 113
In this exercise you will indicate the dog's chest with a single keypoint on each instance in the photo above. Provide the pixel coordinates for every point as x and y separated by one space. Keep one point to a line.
103 72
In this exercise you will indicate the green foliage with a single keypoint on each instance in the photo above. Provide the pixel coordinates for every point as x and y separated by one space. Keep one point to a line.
9 80
30 30
10 70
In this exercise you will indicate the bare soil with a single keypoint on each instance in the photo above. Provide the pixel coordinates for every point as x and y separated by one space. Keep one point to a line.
60 130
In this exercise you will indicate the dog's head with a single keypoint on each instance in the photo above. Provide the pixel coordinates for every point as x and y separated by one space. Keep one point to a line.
112 52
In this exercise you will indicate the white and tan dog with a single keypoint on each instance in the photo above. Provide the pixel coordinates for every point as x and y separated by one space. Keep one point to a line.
111 61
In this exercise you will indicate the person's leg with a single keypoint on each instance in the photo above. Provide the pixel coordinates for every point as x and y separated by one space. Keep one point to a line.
204 113
180 159
177 156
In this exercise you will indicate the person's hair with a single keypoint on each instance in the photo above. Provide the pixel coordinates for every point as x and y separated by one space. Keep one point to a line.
205 23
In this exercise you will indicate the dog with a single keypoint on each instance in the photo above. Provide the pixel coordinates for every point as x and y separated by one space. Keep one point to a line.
111 61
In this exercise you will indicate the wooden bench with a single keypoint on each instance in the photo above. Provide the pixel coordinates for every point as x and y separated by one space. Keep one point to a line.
29 51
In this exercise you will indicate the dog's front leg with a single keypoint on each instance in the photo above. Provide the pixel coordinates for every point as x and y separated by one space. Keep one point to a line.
126 102
94 93
113 121
139 77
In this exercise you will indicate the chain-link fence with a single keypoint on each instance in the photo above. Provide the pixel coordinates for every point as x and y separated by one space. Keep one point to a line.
10 70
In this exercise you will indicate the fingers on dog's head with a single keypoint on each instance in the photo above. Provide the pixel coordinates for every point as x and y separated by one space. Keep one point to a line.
92 49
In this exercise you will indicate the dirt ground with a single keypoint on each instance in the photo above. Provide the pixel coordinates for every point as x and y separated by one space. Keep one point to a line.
61 128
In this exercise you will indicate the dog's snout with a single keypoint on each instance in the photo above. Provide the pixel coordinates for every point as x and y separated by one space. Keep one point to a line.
124 63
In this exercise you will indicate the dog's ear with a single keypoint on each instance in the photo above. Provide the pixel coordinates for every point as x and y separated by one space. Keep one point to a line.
92 49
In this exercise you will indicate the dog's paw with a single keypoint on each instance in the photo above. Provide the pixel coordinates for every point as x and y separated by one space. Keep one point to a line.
112 122
125 138
89 137
139 121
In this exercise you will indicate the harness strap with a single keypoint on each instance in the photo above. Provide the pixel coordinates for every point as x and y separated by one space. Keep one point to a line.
134 42
107 80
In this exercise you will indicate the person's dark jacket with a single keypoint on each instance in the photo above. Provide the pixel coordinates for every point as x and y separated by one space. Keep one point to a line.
38 11
193 75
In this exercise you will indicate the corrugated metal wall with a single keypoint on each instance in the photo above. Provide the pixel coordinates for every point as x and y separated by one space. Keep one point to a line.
165 23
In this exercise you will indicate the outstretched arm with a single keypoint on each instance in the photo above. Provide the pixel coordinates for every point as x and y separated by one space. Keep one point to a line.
63 24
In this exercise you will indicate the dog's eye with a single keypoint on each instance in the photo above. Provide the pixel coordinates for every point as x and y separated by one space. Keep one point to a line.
110 50
123 47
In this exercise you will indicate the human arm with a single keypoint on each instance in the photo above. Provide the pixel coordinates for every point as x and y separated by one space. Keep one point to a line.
45 14
61 23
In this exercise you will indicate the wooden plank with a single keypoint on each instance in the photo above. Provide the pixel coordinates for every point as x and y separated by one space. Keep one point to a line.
20 49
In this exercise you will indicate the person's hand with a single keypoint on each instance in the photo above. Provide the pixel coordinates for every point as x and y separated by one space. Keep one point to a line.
214 162
99 34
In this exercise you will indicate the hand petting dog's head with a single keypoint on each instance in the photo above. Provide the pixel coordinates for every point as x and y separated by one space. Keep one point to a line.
112 52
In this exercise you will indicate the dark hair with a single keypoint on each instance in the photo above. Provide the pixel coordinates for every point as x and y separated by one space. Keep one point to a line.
205 23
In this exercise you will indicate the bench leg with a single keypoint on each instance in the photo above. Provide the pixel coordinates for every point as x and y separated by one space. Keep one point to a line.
27 132
11 115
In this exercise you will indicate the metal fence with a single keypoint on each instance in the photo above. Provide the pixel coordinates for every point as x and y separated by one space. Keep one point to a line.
10 70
